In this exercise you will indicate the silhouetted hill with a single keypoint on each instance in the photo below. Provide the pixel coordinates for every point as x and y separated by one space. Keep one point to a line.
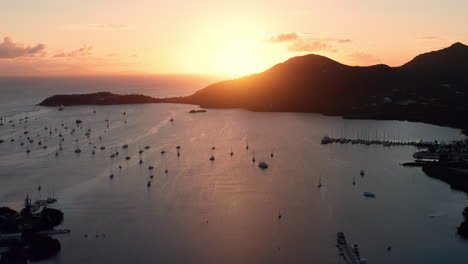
451 59
430 88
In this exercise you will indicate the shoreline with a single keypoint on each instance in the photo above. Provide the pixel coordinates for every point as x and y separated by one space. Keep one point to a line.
107 98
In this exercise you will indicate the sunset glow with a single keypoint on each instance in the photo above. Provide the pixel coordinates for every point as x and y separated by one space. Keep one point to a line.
213 37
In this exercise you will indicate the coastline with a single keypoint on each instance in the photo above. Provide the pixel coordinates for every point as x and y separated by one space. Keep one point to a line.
446 119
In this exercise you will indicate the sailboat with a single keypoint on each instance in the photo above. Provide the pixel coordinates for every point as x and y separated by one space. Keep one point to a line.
319 185
111 175
77 150
140 153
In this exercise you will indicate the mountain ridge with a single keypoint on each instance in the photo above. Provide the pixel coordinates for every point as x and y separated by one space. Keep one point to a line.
432 87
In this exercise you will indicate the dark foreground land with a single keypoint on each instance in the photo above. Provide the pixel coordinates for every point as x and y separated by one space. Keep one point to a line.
24 235
448 163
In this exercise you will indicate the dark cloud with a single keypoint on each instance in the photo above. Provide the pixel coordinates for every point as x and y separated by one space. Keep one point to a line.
305 43
10 49
84 51
363 58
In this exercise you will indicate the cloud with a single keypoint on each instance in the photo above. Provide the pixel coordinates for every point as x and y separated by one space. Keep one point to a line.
84 51
363 58
10 49
284 37
307 43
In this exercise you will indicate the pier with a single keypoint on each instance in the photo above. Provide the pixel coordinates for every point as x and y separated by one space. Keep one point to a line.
386 143
17 236
350 254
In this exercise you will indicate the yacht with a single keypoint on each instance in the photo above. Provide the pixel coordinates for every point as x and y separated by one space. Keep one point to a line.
263 165
326 140
369 194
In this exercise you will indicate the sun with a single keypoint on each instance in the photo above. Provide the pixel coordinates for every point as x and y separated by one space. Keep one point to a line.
238 58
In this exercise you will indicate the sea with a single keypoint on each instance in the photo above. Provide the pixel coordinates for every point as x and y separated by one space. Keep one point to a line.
226 210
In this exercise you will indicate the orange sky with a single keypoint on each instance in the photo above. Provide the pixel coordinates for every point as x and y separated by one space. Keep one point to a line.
229 38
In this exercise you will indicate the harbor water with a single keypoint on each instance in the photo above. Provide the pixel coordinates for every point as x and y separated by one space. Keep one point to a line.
226 210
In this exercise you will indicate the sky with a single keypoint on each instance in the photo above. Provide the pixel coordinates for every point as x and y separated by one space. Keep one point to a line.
229 38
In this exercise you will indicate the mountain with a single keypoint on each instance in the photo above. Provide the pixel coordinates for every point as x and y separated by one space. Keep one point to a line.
431 88
309 83
451 59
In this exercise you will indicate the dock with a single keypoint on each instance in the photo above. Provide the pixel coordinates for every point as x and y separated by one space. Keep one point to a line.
17 236
349 253
386 143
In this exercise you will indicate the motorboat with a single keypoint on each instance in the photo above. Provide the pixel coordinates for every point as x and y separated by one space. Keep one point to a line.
369 194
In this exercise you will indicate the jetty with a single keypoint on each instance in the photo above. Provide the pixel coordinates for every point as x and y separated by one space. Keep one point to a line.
349 253
51 232
386 143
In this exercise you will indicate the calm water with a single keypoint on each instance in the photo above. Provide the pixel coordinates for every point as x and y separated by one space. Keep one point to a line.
224 211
